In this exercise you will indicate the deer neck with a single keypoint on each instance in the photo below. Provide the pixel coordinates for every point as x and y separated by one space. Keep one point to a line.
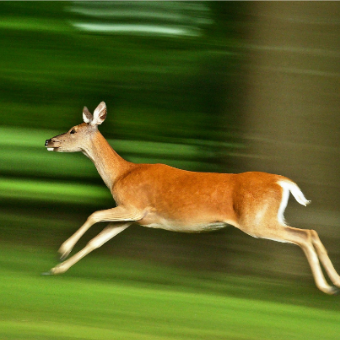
108 163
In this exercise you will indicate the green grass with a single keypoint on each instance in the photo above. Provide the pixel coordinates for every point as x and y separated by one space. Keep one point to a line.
110 298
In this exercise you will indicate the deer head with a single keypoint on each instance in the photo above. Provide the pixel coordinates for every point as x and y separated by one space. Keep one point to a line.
78 137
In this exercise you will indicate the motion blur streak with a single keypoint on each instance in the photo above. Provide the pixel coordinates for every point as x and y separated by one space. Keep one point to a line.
292 120
205 86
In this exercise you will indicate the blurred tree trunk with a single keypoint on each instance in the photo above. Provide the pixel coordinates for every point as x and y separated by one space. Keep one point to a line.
292 118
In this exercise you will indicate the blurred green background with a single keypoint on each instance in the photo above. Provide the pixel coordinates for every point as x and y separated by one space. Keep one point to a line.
205 86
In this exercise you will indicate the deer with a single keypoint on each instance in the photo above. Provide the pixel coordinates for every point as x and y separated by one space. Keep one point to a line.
161 196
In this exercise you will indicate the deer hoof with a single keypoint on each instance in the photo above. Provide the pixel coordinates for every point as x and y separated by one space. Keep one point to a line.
47 273
64 255
59 269
335 291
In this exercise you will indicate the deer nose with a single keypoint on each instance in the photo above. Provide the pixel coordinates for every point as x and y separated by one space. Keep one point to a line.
46 142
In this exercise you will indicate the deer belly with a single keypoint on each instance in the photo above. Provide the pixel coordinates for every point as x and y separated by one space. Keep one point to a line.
179 226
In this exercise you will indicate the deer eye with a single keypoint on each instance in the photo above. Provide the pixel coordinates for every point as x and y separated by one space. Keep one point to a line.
72 131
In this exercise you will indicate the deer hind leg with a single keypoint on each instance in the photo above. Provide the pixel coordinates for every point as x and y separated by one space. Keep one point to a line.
309 241
109 232
325 260
268 222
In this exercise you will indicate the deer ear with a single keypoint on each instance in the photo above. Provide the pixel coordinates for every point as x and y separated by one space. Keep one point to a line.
87 116
99 114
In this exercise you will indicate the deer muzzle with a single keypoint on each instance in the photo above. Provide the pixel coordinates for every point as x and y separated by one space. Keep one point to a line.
50 144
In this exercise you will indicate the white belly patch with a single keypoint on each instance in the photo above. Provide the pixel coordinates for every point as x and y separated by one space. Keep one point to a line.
193 228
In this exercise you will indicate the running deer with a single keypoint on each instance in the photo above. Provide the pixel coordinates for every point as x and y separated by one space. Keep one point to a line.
160 196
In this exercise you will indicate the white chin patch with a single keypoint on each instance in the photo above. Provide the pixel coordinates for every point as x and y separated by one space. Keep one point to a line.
50 149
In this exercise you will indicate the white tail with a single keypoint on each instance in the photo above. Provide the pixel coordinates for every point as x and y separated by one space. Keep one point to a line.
295 191
289 187
160 196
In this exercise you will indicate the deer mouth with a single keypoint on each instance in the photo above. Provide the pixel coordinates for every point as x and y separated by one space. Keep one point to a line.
50 147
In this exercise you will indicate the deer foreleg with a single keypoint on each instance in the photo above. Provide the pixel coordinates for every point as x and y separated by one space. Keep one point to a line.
118 214
109 232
